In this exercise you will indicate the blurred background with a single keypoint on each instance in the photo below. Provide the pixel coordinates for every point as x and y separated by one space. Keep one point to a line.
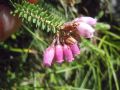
22 42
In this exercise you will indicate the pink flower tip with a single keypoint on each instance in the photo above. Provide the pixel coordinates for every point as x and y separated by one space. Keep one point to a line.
59 53
68 53
85 30
75 49
88 20
48 55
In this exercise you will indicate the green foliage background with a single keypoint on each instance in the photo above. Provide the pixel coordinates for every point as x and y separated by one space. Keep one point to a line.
96 68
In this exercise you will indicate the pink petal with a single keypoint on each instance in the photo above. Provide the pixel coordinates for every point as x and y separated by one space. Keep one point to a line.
75 49
88 20
48 56
59 53
85 30
68 53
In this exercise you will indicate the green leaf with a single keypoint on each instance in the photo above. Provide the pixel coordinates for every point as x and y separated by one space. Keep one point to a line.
102 26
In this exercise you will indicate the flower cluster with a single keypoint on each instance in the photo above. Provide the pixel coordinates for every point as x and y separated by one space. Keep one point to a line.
58 52
65 45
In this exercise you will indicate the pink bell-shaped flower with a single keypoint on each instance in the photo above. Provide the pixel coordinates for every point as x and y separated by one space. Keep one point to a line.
88 20
85 30
49 55
68 53
75 49
59 52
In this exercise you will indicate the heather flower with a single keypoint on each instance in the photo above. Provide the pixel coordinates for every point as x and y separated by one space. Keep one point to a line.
68 53
85 30
88 20
75 49
59 53
68 35
49 55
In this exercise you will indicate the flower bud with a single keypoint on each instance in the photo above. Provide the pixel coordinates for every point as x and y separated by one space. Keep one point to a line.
88 20
85 30
75 49
68 53
48 55
59 53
